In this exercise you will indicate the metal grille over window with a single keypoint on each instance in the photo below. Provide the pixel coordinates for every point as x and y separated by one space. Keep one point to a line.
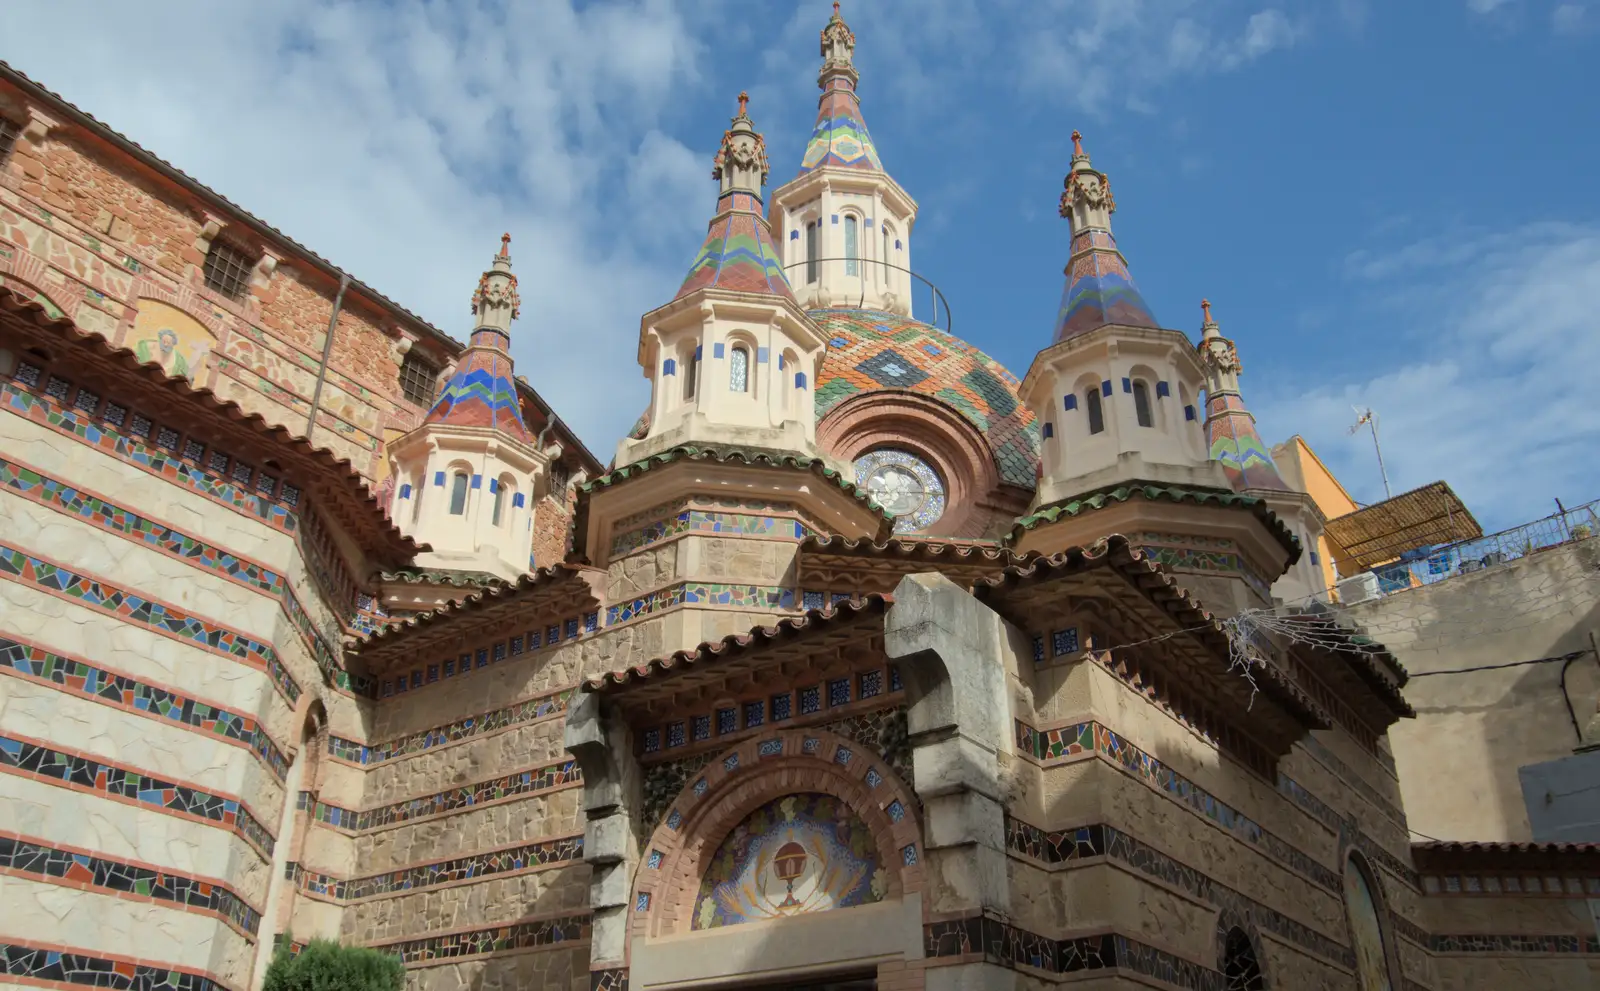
227 269
418 379
9 132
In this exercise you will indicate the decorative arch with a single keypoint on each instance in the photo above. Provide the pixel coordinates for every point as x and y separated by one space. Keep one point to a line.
739 781
1239 955
1367 916
23 273
939 435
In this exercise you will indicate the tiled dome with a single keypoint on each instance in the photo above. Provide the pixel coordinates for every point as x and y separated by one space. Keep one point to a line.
869 350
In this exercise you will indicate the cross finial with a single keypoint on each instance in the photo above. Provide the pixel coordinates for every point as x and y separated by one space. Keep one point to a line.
1205 307
505 245
744 101
1077 143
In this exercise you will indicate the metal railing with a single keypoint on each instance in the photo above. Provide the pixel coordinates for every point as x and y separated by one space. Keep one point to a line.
934 295
1435 564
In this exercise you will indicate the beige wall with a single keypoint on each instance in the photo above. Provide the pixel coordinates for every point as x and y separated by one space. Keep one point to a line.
1458 759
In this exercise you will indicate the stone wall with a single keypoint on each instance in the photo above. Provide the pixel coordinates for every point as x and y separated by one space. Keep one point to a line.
1494 721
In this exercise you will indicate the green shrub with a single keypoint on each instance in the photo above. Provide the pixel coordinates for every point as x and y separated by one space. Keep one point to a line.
324 965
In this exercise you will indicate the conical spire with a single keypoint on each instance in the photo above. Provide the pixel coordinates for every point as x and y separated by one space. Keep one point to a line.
738 253
481 391
1099 290
1231 435
840 138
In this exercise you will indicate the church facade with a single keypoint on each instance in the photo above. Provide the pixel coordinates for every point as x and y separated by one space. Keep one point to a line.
863 664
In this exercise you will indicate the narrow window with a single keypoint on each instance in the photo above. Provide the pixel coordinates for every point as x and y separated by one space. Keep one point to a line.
886 270
418 378
811 252
227 269
458 495
499 497
1141 403
1091 403
416 501
9 133
739 370
852 264
691 369
1239 966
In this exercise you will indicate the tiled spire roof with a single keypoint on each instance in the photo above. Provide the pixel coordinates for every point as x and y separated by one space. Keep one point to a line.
840 138
1099 289
738 253
1231 435
481 392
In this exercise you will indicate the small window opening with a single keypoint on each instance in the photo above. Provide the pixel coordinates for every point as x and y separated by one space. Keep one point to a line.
739 370
691 370
1240 969
499 499
811 252
227 269
1091 404
852 263
1141 404
419 378
9 133
458 495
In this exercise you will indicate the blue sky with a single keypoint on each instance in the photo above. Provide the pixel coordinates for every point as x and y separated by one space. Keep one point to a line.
1387 203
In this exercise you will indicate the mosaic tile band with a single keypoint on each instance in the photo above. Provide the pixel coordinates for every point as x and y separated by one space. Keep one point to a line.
703 594
135 609
526 935
496 789
707 521
33 858
526 711
1011 947
567 849
89 681
53 967
105 778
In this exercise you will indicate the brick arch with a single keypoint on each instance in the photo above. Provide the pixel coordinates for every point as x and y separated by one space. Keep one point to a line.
24 272
182 297
663 894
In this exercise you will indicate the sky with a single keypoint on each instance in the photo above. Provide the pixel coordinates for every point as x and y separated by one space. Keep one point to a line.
1389 204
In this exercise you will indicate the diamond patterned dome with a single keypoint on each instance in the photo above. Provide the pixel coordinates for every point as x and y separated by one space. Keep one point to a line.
870 351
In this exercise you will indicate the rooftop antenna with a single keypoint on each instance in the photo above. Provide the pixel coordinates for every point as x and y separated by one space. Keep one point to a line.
1365 417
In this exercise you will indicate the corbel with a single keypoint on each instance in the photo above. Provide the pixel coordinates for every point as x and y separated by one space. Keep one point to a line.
39 125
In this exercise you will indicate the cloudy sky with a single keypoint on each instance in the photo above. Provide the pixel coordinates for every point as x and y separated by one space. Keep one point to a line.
1389 204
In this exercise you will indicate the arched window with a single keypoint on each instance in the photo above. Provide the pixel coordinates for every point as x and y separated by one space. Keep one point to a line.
852 265
416 500
1141 403
1091 405
501 496
811 252
739 369
887 271
458 494
1240 969
691 372
1366 932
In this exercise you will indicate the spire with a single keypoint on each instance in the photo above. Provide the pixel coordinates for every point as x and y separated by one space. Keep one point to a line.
481 391
1099 290
738 253
1231 435
840 137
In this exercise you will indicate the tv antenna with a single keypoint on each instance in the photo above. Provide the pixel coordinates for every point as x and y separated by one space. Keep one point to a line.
1365 417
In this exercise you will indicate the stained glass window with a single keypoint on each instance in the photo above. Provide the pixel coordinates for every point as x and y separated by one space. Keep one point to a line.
851 265
739 370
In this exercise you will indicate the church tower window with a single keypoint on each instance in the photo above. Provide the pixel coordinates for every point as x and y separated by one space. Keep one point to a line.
227 269
1141 403
886 276
852 263
458 494
1091 405
499 500
739 369
811 252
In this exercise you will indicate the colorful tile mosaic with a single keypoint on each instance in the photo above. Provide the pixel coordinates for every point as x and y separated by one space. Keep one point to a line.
840 139
702 593
495 939
479 865
1011 947
1095 739
1100 840
104 434
795 855
55 968
525 711
87 680
955 373
1234 443
34 760
737 253
1564 944
706 521
33 858
462 665
138 610
1099 289
506 786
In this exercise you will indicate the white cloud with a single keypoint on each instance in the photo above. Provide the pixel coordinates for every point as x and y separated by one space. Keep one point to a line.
400 139
1487 6
1499 400
1569 18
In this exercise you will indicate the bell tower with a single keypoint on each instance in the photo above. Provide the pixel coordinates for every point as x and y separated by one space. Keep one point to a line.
471 474
844 225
